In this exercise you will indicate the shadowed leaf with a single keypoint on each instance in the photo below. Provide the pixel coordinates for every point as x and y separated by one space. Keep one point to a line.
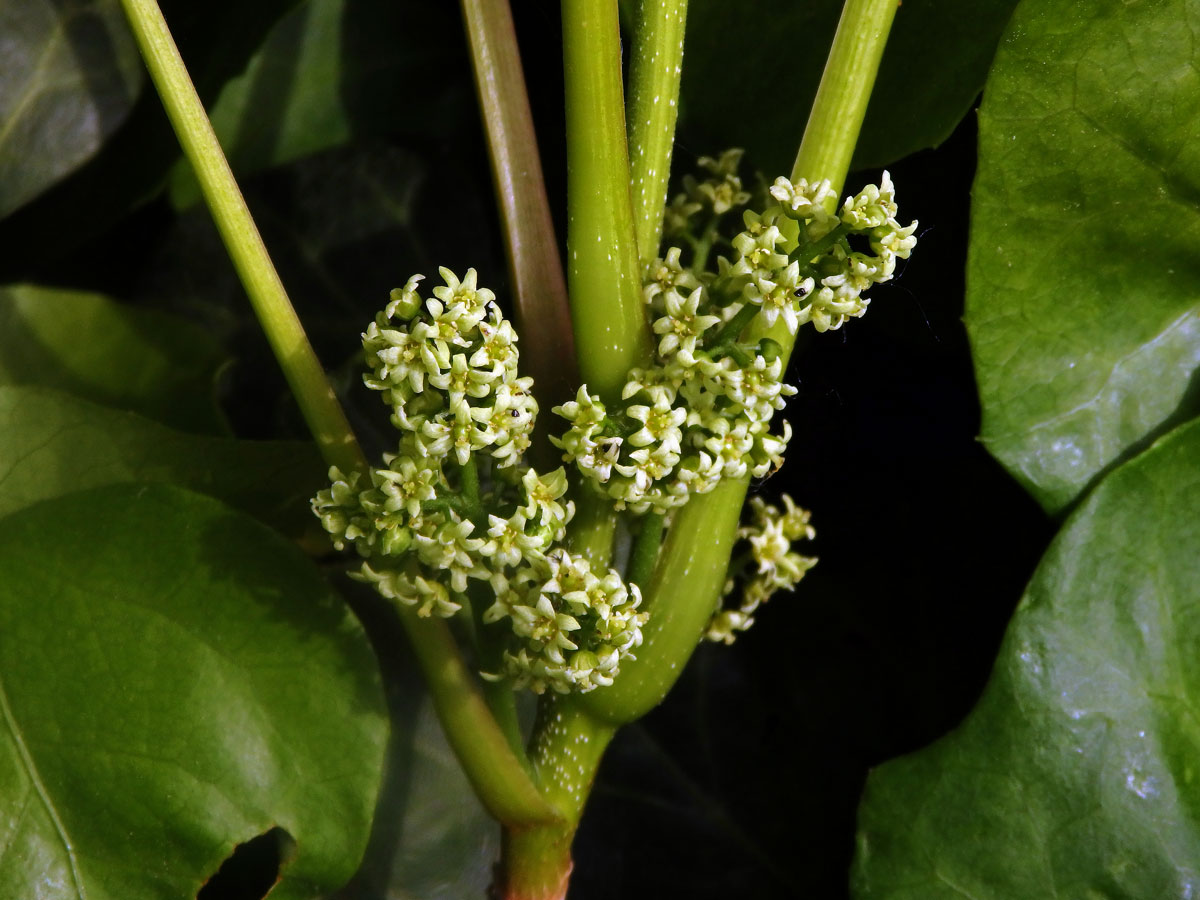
70 75
52 444
182 681
140 360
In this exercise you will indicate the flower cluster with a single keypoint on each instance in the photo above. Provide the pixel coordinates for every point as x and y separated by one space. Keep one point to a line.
703 410
776 566
574 627
449 371
834 273
455 514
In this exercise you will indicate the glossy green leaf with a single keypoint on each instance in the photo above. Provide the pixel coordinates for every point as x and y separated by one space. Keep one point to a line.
1077 775
174 680
70 75
52 444
1082 304
140 360
751 70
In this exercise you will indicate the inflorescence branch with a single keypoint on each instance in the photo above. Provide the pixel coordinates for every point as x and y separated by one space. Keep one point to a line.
457 503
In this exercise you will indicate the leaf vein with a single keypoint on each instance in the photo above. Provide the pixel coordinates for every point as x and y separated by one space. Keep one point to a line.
36 780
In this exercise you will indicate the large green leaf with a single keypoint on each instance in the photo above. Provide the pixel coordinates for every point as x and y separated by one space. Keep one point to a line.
174 680
1077 774
86 344
70 75
1082 303
331 69
751 71
53 444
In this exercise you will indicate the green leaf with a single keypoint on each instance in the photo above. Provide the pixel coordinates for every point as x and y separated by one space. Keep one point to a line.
86 344
432 839
287 103
1082 305
52 444
215 38
71 73
447 843
751 71
1076 775
176 679
330 70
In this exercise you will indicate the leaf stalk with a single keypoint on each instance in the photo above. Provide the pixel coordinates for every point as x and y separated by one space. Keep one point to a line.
315 396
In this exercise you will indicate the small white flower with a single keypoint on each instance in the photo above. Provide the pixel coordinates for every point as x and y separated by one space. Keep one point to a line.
660 423
683 325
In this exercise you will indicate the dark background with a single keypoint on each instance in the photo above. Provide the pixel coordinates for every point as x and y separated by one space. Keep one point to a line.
745 782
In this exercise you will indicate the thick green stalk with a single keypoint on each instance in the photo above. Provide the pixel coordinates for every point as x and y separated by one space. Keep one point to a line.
592 529
681 597
495 771
535 270
492 766
611 334
567 747
687 582
645 549
303 371
657 61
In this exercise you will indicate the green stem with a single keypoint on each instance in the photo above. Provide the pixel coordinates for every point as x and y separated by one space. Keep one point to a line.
838 111
645 549
611 334
469 484
593 528
657 60
566 750
493 768
703 246
846 84
687 582
681 597
805 251
535 270
731 329
318 403
502 701
497 774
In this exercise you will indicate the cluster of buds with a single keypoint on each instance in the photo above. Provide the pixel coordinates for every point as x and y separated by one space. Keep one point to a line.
769 564
718 193
702 412
455 504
